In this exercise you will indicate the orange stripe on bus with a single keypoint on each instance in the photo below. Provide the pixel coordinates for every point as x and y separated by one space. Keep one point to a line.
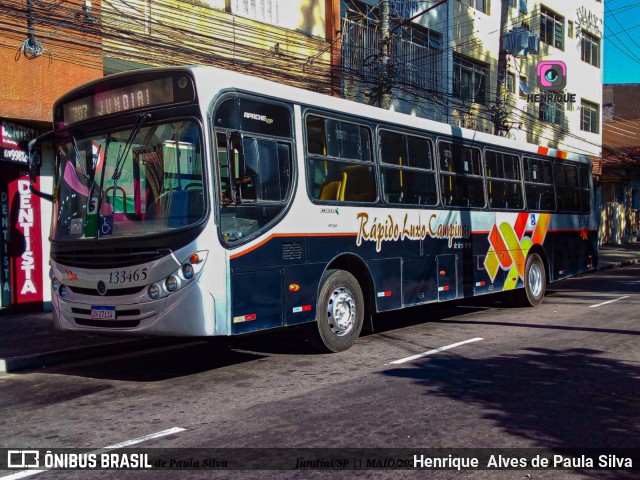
543 150
521 224
541 229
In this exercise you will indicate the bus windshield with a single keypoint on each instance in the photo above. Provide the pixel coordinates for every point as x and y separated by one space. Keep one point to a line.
143 180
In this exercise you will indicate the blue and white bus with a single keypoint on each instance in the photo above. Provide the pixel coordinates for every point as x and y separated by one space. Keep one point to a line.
197 201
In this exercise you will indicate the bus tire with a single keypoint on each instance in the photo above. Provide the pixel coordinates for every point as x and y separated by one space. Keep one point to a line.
535 282
339 313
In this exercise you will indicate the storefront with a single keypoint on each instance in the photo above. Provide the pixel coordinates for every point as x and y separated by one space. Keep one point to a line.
24 219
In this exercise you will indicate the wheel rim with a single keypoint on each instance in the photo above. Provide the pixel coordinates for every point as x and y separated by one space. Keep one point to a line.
341 311
535 280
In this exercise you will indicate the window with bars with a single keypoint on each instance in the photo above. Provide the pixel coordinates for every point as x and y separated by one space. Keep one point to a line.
469 80
551 28
551 111
589 117
590 49
262 10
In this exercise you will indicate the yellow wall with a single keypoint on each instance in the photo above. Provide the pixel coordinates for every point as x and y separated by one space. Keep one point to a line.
172 32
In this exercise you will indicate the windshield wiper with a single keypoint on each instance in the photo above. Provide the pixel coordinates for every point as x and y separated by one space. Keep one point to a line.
122 154
76 152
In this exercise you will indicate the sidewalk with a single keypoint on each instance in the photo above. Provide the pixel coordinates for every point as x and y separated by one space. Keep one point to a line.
29 341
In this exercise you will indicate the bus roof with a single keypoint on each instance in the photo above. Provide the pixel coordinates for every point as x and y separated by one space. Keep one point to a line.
231 80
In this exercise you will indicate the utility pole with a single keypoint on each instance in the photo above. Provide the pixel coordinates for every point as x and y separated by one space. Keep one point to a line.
500 110
385 74
384 80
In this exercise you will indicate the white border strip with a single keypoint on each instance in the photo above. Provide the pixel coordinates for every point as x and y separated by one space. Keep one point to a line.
441 349
610 301
126 443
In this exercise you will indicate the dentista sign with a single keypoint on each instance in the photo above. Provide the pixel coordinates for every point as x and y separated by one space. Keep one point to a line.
26 244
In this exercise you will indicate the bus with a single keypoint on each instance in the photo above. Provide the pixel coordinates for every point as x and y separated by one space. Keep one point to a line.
196 201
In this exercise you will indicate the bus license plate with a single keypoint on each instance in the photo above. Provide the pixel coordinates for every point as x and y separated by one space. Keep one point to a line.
103 313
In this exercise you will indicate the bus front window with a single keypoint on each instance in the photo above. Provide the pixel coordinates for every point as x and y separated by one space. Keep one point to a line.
128 183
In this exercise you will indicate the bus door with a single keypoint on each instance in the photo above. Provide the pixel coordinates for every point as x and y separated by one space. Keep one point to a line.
254 156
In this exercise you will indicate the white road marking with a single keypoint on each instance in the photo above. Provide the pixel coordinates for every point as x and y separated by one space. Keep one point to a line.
610 301
126 443
430 352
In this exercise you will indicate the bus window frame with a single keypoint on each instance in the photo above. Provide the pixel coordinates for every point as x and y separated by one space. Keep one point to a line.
213 130
373 162
424 135
538 158
578 166
589 188
491 148
473 145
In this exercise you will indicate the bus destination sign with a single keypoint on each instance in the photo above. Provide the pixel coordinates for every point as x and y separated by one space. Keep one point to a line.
130 97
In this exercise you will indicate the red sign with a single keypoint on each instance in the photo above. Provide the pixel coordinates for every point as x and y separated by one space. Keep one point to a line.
26 244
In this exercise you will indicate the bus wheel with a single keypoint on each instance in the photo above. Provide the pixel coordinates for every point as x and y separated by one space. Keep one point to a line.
534 282
339 313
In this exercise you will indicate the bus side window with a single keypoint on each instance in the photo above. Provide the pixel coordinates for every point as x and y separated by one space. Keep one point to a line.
567 191
585 190
340 166
539 184
504 186
407 169
461 180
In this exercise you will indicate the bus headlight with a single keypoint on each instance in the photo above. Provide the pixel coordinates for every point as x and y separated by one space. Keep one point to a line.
187 271
55 284
171 284
153 291
62 291
180 278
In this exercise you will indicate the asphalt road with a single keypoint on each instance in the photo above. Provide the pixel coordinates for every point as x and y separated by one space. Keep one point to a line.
564 375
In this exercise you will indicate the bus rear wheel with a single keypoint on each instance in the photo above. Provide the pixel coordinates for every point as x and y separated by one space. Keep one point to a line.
535 282
339 313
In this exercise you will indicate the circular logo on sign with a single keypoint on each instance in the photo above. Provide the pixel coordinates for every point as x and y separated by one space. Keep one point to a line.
102 288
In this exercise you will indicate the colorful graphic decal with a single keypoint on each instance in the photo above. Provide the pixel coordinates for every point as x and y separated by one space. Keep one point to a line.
509 247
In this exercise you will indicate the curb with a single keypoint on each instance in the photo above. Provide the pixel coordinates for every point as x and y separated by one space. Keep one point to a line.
613 265
74 354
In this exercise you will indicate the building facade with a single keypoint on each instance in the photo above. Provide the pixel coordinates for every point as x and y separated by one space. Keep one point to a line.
474 64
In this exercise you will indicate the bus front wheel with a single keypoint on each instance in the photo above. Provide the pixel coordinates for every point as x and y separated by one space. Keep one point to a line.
535 282
339 313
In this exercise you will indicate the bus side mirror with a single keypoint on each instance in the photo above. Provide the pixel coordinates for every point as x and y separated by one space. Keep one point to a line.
35 162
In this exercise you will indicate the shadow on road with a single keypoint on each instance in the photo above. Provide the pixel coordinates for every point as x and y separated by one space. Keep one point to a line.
185 359
555 399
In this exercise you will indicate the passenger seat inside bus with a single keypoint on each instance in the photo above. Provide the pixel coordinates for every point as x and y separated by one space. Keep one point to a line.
331 190
358 184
